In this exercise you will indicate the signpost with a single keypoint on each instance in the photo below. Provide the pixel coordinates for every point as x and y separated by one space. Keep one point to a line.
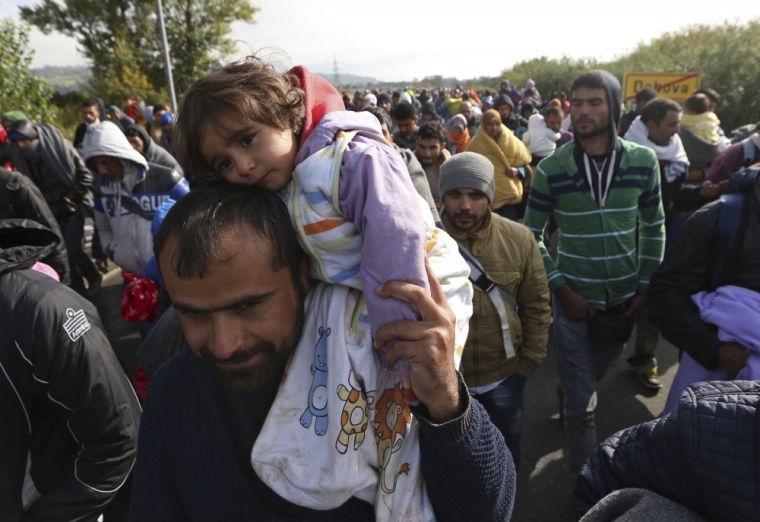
677 86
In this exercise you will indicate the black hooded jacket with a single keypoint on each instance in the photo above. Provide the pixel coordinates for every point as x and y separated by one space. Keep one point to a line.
58 171
514 121
21 199
69 411
155 154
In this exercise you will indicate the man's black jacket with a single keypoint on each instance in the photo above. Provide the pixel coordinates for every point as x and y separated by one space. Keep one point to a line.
688 269
70 415
21 199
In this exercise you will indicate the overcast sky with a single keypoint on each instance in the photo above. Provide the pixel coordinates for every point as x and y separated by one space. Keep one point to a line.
402 40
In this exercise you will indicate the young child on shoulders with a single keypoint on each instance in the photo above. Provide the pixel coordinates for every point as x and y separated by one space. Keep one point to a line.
540 139
248 124
358 217
698 119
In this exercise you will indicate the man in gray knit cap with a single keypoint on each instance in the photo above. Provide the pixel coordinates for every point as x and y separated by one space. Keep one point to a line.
510 323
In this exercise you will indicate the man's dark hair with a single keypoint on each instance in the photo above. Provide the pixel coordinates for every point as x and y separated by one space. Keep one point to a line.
699 104
91 102
646 94
396 95
711 94
160 107
200 220
432 130
404 111
657 109
465 96
589 80
555 111
380 114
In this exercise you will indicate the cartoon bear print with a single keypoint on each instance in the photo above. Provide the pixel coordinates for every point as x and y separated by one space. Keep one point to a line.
317 407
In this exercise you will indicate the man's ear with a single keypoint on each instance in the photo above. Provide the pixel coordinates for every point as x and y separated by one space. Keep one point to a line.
651 126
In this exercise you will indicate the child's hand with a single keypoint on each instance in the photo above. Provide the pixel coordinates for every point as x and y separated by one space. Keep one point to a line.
428 344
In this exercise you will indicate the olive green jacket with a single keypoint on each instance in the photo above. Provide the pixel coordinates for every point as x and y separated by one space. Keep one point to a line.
510 256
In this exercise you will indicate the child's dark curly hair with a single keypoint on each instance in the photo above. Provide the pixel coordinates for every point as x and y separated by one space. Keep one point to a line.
250 90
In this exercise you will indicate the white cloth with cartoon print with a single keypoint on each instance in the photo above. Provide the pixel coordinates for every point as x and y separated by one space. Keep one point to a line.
339 426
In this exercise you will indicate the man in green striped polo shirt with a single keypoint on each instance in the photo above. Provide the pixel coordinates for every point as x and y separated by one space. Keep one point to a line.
605 194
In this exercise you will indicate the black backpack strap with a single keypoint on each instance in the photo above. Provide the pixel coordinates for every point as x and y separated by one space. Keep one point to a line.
748 152
732 225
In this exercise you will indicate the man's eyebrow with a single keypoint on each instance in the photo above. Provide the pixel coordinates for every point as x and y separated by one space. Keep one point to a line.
246 302
598 98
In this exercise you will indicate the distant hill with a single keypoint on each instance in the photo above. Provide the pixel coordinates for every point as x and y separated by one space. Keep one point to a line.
351 80
64 79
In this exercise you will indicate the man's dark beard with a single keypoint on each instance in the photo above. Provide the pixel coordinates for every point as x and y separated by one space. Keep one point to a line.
267 372
475 221
593 132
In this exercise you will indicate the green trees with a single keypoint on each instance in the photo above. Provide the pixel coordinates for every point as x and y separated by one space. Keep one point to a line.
19 88
727 56
121 40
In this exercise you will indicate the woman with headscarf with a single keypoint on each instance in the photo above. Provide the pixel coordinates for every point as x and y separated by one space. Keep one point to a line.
457 135
508 154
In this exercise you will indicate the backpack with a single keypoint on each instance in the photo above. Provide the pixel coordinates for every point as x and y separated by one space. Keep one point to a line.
732 225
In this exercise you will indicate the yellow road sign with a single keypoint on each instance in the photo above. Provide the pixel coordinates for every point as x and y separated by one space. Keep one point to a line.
677 86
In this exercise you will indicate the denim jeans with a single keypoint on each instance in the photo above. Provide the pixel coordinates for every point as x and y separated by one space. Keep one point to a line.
80 263
504 405
582 363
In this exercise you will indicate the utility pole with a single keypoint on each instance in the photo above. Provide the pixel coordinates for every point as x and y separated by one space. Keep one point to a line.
336 75
167 59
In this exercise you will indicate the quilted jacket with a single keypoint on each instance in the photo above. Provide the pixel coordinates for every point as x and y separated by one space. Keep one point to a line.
705 456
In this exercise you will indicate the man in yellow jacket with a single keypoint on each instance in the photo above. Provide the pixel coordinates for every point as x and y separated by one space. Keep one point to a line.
499 354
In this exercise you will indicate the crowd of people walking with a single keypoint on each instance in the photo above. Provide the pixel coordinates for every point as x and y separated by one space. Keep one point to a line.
342 298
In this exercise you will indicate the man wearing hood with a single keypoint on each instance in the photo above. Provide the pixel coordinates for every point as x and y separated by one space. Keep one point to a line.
21 199
43 155
132 190
140 140
429 113
506 109
70 416
114 114
605 194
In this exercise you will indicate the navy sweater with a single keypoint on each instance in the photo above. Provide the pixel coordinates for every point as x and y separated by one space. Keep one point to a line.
189 468
705 456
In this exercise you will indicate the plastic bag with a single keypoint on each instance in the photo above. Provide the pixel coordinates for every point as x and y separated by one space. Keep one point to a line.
140 298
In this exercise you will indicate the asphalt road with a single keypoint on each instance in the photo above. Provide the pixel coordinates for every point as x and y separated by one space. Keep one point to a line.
544 482
544 486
